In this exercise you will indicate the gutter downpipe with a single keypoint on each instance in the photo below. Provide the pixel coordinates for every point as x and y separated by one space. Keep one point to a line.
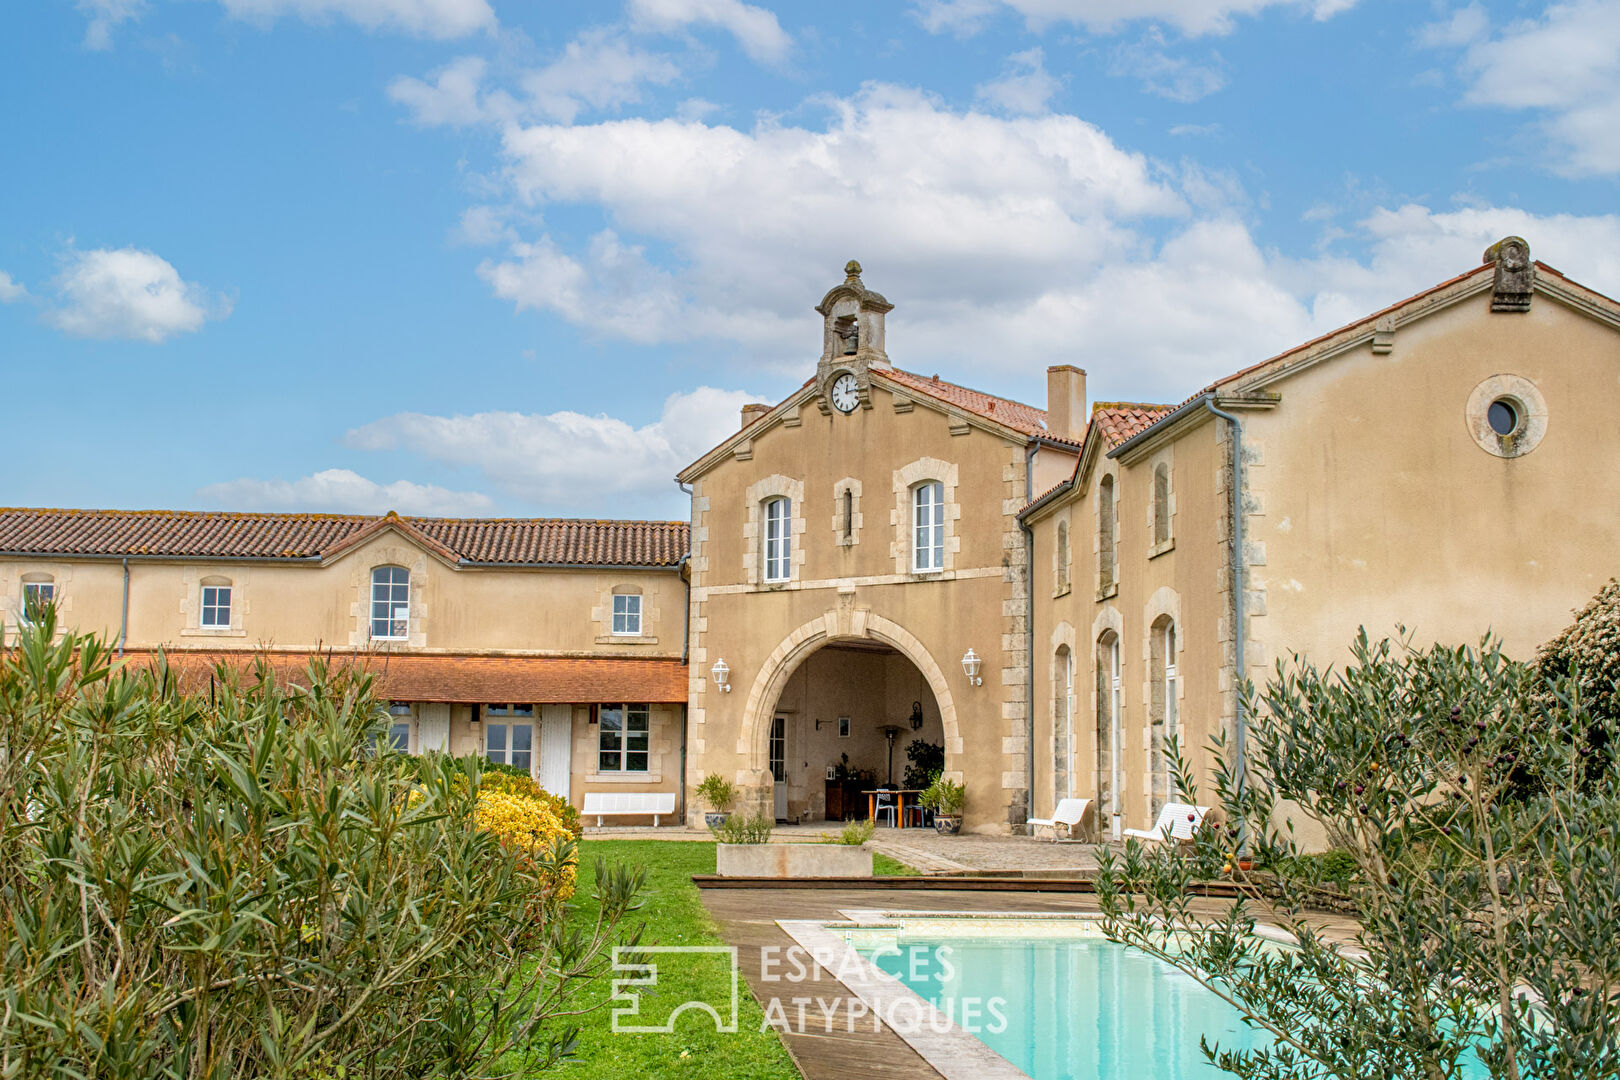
123 618
1239 582
686 642
1029 634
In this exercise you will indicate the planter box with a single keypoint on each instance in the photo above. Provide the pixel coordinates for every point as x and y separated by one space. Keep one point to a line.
792 860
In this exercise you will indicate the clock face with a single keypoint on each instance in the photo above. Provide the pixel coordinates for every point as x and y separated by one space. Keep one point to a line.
845 393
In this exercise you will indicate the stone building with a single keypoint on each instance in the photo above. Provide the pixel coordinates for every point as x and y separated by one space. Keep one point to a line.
886 558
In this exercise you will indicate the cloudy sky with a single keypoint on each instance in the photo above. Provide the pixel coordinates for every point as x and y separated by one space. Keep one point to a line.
522 257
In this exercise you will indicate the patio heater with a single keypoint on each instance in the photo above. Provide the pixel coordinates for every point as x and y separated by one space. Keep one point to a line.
889 732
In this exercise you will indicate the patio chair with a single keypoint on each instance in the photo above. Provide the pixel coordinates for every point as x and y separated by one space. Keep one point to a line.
918 815
885 805
1069 814
1179 823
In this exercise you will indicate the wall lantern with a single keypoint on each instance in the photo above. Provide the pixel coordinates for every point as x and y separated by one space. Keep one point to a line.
970 667
916 716
721 674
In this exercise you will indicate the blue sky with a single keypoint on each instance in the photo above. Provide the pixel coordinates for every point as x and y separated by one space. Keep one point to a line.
508 258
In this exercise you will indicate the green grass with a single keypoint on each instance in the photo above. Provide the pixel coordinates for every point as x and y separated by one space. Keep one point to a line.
883 866
673 914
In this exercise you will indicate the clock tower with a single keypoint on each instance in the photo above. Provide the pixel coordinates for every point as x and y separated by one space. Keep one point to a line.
851 343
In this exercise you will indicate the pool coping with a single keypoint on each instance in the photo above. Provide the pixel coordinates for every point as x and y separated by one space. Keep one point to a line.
950 1050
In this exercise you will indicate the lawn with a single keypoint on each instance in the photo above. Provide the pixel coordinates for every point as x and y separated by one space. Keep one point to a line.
673 914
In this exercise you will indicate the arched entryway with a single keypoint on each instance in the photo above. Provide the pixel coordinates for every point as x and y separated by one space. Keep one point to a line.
840 696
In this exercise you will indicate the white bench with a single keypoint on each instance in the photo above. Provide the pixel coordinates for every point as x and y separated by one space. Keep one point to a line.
1069 813
602 804
1179 823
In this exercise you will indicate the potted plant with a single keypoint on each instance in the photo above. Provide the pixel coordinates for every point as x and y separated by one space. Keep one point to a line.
945 798
721 795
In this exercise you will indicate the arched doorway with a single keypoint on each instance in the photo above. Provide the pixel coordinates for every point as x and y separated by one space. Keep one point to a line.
839 696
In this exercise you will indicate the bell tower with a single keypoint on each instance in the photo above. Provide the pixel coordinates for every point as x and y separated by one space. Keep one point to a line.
851 335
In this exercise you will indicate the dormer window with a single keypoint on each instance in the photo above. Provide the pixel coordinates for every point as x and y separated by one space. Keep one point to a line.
390 603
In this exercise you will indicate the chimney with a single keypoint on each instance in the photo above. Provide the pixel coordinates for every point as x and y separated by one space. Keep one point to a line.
751 413
1066 402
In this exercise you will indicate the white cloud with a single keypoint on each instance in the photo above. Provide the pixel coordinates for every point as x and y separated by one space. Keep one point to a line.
421 18
567 459
1172 77
104 15
129 293
451 99
1007 243
1024 87
344 491
755 28
10 289
1192 17
600 69
1565 65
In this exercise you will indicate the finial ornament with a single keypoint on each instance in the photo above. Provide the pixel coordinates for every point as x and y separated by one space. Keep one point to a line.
852 270
1515 274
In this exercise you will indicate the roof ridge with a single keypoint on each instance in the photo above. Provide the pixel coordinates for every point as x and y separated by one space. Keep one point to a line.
969 389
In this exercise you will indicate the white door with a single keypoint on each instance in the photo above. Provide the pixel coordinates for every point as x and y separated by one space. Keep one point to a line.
779 765
1116 704
556 748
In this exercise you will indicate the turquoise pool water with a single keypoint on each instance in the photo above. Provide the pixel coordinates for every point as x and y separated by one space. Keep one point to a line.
1075 1009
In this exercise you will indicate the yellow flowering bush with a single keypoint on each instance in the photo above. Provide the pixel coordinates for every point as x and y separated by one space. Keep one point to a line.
532 826
498 779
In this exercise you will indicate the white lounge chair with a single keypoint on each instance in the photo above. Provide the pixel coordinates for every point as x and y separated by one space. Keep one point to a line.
1069 813
1178 823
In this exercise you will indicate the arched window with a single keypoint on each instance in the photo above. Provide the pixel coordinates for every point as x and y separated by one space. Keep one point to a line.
214 610
1060 575
1063 722
778 538
1161 505
38 594
928 526
1163 700
390 603
1110 709
1106 575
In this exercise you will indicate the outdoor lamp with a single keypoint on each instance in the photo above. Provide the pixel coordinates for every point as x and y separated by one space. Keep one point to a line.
721 674
916 716
970 667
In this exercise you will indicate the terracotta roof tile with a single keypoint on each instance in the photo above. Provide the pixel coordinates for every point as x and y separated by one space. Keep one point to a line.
536 680
1014 414
1120 420
116 533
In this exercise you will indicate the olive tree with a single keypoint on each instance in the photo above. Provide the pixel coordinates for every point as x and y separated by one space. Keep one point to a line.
1484 884
240 881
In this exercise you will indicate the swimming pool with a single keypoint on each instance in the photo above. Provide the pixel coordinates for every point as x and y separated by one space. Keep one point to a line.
1075 1006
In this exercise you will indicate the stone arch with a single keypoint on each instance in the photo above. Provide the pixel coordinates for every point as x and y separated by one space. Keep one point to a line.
753 742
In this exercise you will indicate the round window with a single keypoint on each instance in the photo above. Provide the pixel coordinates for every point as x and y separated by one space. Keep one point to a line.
1503 417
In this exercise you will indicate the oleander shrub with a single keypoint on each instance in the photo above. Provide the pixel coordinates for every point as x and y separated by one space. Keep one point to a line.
245 882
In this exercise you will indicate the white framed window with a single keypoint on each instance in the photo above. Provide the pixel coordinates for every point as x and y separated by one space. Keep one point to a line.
215 613
928 527
627 614
37 596
778 538
624 738
1171 679
509 735
390 603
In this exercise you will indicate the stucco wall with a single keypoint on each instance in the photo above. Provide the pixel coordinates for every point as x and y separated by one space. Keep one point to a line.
515 612
852 589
